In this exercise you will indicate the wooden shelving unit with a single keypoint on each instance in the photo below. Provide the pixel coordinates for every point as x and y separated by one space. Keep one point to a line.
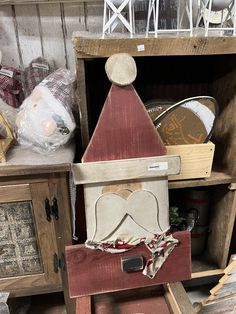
89 45
181 68
216 178
202 268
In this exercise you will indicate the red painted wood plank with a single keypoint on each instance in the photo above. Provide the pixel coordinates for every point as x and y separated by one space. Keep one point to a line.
124 129
131 304
92 271
83 305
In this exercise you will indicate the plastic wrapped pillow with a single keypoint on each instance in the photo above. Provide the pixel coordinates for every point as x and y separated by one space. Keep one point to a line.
45 120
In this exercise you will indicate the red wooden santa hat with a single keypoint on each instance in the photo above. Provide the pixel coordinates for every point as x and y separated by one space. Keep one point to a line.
124 129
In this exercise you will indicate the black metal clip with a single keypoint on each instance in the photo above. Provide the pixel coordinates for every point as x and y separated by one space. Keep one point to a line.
51 209
59 262
54 208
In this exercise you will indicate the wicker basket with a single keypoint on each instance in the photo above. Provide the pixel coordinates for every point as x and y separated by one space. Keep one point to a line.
6 142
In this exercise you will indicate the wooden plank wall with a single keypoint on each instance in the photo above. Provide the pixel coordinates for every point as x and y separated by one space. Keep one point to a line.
31 30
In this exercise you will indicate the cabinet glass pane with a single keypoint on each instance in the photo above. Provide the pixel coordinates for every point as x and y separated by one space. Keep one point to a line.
19 249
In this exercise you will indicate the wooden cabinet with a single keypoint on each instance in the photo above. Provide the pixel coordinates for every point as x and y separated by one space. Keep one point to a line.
28 239
35 223
174 68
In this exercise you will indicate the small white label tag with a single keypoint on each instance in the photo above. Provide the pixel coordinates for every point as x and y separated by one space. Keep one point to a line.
40 66
6 72
158 166
140 47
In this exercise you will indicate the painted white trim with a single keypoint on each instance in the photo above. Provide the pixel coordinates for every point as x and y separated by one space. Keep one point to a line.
203 113
126 169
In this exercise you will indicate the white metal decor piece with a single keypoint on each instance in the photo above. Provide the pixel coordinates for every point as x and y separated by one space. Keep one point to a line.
184 8
118 12
225 10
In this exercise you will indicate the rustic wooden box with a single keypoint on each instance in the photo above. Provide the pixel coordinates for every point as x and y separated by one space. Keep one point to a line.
170 298
196 160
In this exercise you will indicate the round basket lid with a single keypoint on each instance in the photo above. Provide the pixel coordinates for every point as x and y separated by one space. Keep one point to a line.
190 121
156 106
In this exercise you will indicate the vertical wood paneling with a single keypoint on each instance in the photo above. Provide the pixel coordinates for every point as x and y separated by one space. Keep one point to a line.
32 30
8 42
28 31
74 21
94 17
52 34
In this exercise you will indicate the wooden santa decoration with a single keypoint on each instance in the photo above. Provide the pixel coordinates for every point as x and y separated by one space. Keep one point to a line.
125 172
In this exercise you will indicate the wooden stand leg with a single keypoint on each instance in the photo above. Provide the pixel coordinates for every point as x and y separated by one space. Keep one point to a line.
70 303
83 305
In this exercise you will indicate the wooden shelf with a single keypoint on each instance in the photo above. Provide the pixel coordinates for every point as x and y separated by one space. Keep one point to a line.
202 268
89 45
216 178
23 161
154 81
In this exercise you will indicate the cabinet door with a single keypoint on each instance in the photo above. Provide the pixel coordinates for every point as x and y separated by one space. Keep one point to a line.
27 240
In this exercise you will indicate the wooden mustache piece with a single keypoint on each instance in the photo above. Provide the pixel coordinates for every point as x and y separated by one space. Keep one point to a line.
138 216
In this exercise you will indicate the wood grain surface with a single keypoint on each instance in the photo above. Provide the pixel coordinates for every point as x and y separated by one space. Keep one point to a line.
132 304
198 164
223 211
124 129
217 177
22 161
177 298
121 69
47 280
90 46
92 271
126 169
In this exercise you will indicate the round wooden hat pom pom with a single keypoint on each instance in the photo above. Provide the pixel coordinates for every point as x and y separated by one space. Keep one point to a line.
121 69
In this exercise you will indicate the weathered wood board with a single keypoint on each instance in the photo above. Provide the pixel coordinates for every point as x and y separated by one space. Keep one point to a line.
124 129
44 28
168 298
221 224
222 297
105 273
126 169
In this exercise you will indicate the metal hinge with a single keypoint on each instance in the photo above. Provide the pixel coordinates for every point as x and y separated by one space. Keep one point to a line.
59 262
51 209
